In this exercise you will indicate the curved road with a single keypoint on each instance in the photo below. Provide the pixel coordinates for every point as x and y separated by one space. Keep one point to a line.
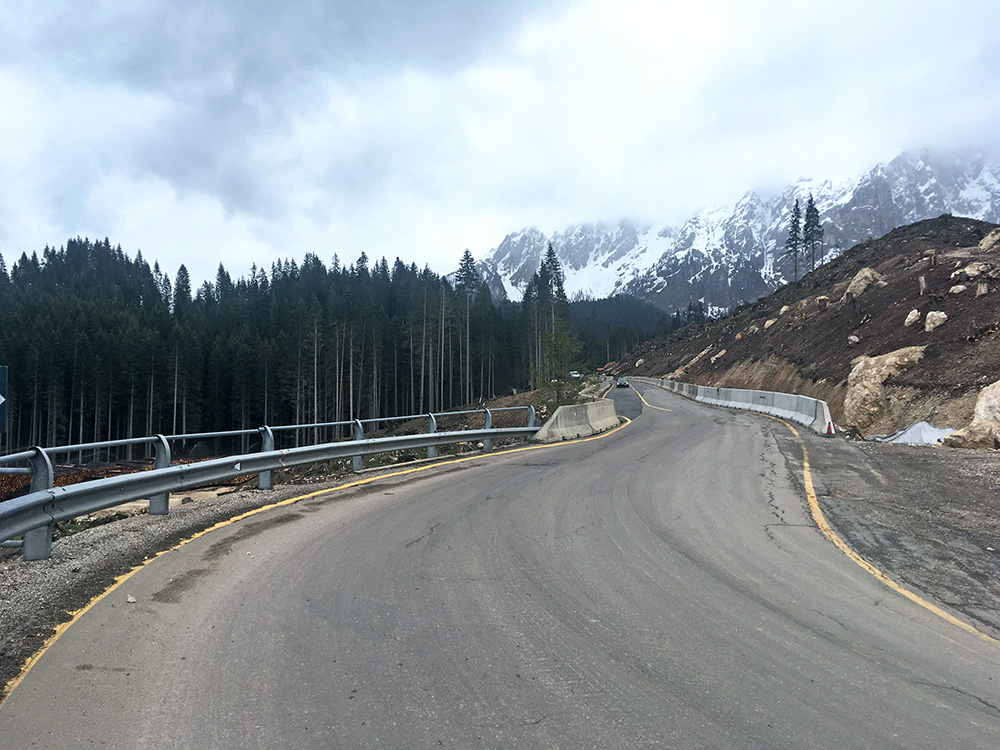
661 586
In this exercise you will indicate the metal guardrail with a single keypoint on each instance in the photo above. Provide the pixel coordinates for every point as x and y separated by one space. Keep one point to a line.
34 515
163 453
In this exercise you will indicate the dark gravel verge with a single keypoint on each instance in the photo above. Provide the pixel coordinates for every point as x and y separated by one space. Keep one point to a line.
927 517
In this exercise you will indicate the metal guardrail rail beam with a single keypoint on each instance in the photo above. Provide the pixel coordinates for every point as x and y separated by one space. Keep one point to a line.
34 515
28 456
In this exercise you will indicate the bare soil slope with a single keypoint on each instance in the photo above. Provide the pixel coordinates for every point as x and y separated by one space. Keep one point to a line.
805 337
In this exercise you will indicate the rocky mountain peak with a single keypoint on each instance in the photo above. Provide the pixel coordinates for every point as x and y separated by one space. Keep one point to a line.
725 255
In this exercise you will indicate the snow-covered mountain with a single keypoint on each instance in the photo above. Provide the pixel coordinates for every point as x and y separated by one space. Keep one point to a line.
727 255
597 259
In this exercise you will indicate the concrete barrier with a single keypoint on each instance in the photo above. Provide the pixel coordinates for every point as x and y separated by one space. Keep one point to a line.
809 412
579 420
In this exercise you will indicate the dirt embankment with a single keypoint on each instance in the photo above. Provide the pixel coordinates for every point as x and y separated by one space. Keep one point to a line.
933 285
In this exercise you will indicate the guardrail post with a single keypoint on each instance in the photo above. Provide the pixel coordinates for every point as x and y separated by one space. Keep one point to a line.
432 427
532 417
265 479
358 462
159 505
38 542
487 425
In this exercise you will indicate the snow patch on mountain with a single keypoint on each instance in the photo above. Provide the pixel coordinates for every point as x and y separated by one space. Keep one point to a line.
726 255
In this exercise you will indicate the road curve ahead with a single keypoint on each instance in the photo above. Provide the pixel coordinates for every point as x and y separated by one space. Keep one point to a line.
663 586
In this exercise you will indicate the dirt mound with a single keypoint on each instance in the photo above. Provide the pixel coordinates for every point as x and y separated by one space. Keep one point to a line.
805 336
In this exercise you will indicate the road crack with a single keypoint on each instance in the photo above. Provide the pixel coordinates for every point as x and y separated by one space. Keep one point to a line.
831 617
964 693
421 538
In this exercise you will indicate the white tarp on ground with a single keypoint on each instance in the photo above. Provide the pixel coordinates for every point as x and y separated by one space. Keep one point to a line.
921 433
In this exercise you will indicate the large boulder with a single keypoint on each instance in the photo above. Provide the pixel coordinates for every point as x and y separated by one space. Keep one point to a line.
934 319
990 243
862 280
866 399
984 429
971 271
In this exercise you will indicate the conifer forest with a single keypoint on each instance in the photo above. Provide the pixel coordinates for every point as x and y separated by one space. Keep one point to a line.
101 346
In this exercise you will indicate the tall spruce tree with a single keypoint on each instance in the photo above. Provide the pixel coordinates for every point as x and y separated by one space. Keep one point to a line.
553 342
468 280
793 245
812 231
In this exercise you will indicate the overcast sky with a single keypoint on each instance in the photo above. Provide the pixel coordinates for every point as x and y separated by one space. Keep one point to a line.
236 131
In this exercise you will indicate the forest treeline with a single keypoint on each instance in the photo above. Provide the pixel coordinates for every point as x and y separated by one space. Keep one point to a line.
102 346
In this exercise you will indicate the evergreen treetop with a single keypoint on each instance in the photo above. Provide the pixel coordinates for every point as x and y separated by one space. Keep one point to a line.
812 230
793 245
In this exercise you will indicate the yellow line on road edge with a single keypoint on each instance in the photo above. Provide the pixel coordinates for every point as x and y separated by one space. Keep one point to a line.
77 614
830 534
660 408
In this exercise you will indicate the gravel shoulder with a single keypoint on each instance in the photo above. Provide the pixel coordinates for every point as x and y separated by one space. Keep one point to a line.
928 517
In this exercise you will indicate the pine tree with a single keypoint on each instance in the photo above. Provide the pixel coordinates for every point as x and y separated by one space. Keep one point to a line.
468 281
793 245
553 340
223 284
182 291
812 231
557 279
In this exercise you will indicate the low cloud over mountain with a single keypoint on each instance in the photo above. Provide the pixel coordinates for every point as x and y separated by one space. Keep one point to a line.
727 255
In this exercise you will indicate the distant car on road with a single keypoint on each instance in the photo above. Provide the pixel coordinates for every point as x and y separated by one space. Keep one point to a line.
574 374
622 383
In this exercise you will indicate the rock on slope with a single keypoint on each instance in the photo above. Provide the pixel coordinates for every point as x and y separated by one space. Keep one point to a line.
810 336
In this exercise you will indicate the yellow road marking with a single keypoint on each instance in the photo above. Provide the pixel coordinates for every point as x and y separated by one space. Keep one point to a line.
814 508
659 408
830 534
77 614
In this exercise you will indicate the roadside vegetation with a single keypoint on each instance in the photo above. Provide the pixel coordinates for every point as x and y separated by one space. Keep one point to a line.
101 346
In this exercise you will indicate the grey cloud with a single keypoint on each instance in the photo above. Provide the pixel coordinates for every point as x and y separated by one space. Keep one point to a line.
233 71
264 43
373 118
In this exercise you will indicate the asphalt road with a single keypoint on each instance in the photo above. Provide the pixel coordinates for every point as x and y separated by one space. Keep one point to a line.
660 586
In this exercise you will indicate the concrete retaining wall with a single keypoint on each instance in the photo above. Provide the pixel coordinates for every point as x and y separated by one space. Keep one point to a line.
579 420
810 412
